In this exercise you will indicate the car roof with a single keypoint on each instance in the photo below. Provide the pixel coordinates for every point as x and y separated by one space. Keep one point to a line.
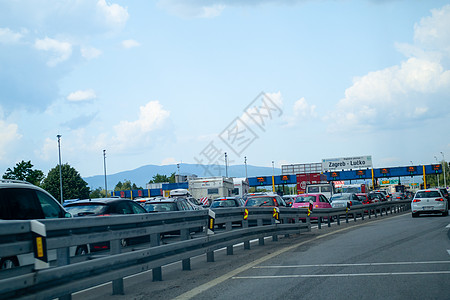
98 201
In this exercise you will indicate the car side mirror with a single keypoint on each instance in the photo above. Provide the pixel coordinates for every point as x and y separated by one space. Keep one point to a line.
68 215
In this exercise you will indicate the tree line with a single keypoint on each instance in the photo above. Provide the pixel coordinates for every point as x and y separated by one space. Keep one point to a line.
74 186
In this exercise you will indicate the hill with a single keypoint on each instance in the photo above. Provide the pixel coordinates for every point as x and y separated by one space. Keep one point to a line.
142 175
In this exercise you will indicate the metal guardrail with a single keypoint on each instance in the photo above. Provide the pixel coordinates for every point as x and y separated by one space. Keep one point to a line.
68 274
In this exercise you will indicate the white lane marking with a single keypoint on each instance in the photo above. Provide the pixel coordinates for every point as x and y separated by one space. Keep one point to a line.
448 226
341 275
448 252
355 265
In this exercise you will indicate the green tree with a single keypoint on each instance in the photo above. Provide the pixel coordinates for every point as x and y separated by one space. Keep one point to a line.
126 186
158 178
74 187
97 193
23 171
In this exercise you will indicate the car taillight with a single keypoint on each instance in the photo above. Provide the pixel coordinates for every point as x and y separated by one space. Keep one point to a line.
416 200
439 199
104 215
102 247
350 202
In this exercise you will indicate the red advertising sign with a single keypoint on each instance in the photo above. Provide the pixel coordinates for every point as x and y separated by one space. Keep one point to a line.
309 178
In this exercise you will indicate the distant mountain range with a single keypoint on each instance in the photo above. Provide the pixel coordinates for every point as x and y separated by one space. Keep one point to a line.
142 175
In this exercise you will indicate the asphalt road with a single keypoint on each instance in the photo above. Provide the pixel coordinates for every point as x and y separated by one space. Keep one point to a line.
392 257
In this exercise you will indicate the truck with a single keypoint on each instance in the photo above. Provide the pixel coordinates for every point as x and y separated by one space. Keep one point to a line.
305 179
325 188
211 188
241 187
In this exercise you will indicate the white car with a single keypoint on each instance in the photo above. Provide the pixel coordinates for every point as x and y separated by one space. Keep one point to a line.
429 201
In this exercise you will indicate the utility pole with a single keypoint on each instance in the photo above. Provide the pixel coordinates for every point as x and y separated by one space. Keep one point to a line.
444 167
60 172
104 166
245 162
226 165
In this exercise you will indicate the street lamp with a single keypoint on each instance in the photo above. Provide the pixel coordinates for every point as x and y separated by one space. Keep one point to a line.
443 169
60 172
226 165
245 162
273 176
104 166
412 164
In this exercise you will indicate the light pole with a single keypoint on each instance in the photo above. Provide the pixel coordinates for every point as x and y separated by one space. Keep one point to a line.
245 162
226 165
437 175
273 176
412 164
60 172
443 169
104 167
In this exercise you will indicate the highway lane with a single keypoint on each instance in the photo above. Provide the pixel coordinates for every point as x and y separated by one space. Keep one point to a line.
393 257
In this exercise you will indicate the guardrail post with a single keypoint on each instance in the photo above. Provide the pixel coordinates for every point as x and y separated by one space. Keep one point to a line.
155 239
346 217
229 226
63 259
319 222
186 263
259 222
338 219
210 256
370 213
246 243
117 284
354 217
375 213
329 220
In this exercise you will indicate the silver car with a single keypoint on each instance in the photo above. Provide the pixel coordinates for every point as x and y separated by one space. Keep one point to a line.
429 201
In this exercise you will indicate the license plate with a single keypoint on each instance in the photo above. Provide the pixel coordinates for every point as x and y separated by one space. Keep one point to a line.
427 207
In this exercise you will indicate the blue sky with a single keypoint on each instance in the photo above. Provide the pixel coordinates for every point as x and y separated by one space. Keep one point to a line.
162 82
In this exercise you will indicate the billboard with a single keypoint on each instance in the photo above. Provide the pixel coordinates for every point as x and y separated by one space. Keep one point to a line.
346 163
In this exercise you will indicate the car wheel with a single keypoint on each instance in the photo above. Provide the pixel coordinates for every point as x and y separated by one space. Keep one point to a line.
81 250
9 263
415 215
444 214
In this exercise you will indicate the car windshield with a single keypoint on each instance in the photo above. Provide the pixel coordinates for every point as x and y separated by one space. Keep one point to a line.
224 203
86 209
428 194
362 197
160 207
260 201
302 199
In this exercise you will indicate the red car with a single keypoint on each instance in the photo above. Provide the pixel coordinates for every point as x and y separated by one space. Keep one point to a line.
319 202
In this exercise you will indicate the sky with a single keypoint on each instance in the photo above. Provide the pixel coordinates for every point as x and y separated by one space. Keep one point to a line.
186 81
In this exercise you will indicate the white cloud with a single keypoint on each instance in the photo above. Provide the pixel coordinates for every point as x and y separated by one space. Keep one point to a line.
433 31
302 111
169 161
417 89
151 117
130 44
190 9
61 50
115 14
90 52
82 95
8 135
7 36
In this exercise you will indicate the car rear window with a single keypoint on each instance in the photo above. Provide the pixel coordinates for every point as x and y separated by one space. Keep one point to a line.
428 194
260 201
224 203
86 209
160 207
302 199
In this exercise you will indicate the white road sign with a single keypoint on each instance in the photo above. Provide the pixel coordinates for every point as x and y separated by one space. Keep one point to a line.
346 163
